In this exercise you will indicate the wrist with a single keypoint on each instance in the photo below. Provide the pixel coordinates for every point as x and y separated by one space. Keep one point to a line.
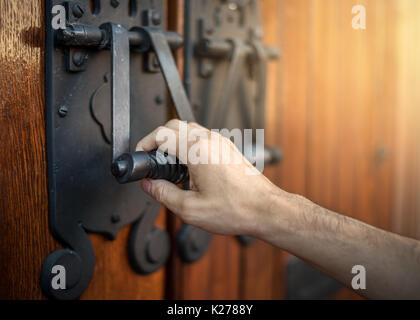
268 211
277 216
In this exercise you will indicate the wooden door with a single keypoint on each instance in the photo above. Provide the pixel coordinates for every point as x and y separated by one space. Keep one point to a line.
341 104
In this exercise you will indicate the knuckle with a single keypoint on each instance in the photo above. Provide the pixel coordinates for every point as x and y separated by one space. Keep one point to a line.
161 128
194 125
172 123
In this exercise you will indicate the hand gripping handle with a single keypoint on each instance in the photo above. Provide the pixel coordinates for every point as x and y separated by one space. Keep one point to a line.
130 167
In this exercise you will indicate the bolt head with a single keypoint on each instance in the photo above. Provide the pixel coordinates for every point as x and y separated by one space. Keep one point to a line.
62 111
115 3
78 10
115 218
156 18
79 58
159 99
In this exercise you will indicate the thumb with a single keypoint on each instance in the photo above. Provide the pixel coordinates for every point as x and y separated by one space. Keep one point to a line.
166 193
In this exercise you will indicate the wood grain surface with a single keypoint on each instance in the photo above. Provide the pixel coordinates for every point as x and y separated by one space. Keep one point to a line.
25 240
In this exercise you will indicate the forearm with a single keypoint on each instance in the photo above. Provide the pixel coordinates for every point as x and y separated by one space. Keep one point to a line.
226 199
334 244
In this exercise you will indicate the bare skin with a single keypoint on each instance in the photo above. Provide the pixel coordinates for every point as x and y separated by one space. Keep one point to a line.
224 200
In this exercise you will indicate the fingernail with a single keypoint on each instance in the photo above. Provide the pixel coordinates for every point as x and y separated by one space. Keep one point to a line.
146 185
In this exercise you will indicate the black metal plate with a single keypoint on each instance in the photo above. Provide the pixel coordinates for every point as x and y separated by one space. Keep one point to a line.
222 20
84 195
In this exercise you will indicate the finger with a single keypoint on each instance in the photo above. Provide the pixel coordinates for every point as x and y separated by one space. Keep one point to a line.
151 141
183 128
167 194
148 143
197 126
174 124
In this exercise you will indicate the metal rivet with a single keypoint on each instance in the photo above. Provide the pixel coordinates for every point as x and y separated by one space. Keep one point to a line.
156 18
79 58
115 218
62 111
159 99
115 3
78 10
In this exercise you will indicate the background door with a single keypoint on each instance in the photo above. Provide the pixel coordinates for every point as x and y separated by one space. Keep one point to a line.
342 104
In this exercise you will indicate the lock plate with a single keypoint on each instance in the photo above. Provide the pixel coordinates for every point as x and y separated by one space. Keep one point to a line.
84 195
226 67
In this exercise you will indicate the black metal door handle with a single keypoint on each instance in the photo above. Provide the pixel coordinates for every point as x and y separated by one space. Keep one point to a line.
131 167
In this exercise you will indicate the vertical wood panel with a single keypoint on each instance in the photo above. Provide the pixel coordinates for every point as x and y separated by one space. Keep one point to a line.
407 32
336 122
25 240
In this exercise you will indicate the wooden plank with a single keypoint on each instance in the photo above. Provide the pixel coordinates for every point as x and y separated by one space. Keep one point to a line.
406 219
25 240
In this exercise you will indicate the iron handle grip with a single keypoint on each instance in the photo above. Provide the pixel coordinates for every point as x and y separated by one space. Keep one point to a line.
131 167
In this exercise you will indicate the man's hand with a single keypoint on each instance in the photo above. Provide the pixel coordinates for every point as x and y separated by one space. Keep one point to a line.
224 197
